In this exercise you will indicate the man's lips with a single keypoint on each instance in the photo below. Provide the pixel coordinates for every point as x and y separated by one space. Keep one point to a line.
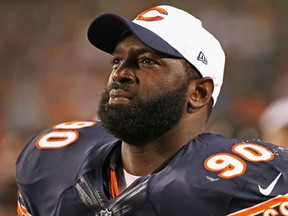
119 96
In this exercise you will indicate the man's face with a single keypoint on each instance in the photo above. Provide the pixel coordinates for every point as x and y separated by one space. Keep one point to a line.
146 93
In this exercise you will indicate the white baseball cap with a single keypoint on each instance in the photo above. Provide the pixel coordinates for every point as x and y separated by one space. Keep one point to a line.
168 30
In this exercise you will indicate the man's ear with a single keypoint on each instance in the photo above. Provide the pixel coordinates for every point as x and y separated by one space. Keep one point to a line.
199 93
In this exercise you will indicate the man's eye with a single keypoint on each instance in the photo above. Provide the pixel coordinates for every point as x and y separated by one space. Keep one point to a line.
115 61
146 61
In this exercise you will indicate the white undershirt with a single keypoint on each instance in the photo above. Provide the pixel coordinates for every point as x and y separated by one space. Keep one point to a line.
129 178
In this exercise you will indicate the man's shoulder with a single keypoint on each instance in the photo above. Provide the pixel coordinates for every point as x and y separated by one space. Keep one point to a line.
233 170
216 150
60 148
234 162
251 149
225 174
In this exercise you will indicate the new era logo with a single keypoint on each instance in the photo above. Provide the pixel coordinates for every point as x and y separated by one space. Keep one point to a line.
201 57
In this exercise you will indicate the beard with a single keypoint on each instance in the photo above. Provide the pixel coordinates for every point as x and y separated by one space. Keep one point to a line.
142 121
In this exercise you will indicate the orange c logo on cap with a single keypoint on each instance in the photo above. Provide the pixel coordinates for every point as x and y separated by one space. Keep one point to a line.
142 16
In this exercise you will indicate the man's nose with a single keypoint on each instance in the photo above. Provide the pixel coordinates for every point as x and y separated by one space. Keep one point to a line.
124 74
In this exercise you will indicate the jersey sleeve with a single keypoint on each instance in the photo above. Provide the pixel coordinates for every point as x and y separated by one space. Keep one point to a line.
50 164
265 187
246 174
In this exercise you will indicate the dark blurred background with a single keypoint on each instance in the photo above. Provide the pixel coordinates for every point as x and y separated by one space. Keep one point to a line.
50 73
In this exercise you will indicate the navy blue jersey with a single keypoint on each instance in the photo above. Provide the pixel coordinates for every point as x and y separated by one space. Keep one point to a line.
63 171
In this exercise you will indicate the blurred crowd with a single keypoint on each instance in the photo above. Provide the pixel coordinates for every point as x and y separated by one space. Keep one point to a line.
50 73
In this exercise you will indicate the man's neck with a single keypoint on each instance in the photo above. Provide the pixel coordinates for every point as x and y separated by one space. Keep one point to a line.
143 160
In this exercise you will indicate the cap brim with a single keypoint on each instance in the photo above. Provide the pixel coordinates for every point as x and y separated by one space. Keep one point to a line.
106 30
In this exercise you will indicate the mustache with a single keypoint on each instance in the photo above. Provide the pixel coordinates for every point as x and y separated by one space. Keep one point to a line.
125 87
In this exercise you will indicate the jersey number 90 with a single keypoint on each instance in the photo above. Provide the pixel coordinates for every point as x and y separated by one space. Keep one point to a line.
63 134
230 165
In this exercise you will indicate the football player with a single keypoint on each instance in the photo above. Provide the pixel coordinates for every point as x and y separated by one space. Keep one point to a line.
150 153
